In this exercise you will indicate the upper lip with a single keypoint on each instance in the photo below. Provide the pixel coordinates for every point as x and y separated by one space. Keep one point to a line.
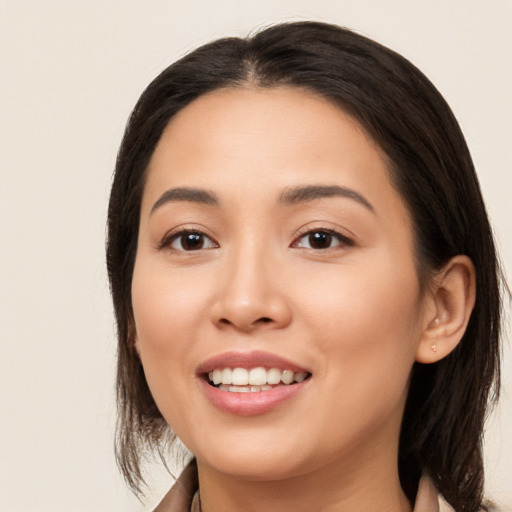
248 360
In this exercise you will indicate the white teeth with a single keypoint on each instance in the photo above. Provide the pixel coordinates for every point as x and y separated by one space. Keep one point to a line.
240 380
245 389
274 376
240 377
239 389
216 378
227 376
258 376
287 377
300 376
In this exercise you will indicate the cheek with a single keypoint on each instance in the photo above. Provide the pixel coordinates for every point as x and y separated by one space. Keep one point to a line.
164 305
367 328
368 322
165 322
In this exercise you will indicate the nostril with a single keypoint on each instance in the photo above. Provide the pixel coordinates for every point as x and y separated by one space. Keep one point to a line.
259 321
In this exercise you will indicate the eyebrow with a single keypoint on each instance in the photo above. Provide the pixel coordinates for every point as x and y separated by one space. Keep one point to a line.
290 196
193 195
311 192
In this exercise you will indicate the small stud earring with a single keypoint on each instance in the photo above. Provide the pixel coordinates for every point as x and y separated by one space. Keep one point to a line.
434 348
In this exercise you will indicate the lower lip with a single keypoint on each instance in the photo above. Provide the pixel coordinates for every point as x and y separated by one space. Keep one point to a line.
251 404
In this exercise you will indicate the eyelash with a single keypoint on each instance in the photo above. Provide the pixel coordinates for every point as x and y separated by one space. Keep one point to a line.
171 238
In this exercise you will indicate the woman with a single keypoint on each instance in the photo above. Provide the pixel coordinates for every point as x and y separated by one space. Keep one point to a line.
304 279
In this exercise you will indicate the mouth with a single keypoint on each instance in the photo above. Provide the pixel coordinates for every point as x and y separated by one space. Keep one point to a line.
253 380
252 383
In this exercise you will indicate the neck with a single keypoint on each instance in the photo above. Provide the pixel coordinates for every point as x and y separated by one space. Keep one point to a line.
332 488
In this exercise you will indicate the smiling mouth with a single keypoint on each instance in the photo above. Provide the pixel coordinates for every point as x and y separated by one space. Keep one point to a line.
253 380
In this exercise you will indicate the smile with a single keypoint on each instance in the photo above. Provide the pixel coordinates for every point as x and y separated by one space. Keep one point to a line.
251 383
253 380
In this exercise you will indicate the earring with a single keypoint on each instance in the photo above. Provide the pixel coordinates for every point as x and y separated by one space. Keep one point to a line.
434 348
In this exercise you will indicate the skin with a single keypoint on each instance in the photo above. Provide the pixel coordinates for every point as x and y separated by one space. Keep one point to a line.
353 314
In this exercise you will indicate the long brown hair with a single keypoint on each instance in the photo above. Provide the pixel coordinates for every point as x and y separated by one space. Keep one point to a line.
431 167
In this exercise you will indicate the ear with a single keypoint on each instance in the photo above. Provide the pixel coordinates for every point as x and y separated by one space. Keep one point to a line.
451 299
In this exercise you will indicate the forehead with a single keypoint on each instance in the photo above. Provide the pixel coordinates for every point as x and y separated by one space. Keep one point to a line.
271 131
288 114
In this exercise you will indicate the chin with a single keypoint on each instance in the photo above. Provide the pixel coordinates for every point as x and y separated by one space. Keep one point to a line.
257 469
257 460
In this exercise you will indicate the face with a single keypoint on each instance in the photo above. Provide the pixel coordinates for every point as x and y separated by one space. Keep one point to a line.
273 247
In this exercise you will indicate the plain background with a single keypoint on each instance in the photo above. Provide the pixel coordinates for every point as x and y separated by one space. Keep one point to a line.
70 72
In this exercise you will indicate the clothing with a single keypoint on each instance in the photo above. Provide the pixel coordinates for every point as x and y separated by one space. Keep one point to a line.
184 495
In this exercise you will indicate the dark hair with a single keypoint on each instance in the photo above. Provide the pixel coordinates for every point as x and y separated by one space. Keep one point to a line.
430 166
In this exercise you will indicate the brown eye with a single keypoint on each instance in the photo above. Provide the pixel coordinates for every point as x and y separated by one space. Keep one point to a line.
191 241
322 239
319 240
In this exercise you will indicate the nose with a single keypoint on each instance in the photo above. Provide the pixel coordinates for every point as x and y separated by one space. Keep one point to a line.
251 294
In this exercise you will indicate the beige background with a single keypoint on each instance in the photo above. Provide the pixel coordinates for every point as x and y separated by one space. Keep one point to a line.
70 72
